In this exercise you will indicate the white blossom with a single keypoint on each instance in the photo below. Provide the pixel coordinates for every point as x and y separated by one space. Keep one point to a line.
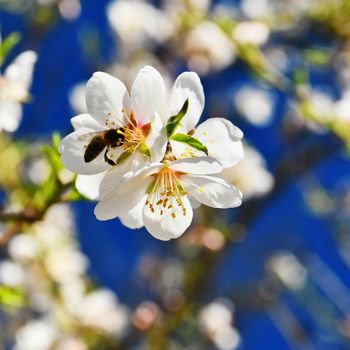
254 104
289 270
12 274
100 309
208 48
138 22
215 320
65 264
121 124
23 247
250 175
35 335
251 33
14 84
77 98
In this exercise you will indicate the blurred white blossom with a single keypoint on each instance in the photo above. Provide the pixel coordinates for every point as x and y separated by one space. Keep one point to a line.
71 343
65 264
208 48
14 85
23 247
216 321
35 335
102 310
38 171
289 270
255 104
138 23
77 98
257 8
250 175
12 274
256 33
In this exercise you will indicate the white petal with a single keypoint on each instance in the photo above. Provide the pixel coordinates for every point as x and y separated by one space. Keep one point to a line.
115 175
115 203
132 189
72 149
188 85
20 71
212 191
147 94
10 115
157 139
89 185
197 165
133 218
194 203
222 139
107 100
86 121
170 223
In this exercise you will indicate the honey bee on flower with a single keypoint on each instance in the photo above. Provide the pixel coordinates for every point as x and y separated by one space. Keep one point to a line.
146 155
119 130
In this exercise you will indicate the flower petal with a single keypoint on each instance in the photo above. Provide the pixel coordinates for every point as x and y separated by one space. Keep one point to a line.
194 203
89 185
86 121
168 223
114 176
157 139
212 191
188 85
147 94
197 165
115 203
107 100
72 149
133 218
222 139
125 197
11 115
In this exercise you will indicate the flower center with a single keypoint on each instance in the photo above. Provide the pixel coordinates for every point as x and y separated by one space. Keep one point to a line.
132 137
166 192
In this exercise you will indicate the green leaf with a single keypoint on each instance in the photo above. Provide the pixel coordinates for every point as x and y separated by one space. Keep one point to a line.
7 45
52 153
144 150
175 120
123 157
11 296
191 141
301 77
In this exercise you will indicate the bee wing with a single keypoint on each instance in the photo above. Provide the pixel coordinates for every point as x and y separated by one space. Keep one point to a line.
87 137
94 148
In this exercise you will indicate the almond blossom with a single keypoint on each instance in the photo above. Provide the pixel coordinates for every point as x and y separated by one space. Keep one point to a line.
158 195
123 128
14 85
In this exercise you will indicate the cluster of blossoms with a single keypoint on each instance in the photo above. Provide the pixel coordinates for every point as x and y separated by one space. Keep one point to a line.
144 152
46 264
193 24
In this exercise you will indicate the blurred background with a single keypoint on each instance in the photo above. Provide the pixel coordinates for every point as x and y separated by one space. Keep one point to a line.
272 274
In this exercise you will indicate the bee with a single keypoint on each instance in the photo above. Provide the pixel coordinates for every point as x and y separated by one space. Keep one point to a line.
101 140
